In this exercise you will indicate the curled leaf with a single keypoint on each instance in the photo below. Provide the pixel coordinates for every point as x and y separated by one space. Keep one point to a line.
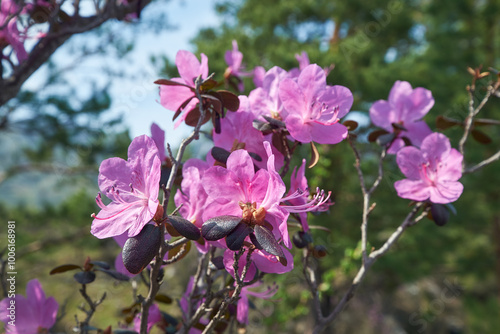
351 125
314 156
372 137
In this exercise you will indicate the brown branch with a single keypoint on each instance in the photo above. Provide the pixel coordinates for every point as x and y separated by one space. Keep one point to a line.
410 220
59 33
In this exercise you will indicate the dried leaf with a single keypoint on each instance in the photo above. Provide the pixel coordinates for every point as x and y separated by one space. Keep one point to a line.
480 136
372 137
314 156
167 82
163 298
351 125
64 268
443 123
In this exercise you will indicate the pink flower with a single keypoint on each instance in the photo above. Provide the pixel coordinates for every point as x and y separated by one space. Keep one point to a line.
265 99
132 186
158 136
154 318
432 171
303 60
246 192
258 76
233 60
173 97
33 313
405 108
312 109
238 126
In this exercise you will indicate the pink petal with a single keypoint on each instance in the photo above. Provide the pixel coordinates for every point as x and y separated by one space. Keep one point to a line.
452 165
328 134
338 96
242 308
410 161
189 66
299 130
417 131
241 164
435 147
418 104
268 263
293 100
312 81
446 192
172 97
399 92
382 116
411 189
158 136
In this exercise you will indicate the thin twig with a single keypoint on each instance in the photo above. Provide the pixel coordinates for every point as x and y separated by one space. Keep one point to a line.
483 163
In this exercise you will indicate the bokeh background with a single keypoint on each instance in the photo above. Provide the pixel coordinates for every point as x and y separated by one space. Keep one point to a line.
97 93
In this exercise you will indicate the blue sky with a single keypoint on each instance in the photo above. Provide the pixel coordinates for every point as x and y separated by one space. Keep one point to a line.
138 102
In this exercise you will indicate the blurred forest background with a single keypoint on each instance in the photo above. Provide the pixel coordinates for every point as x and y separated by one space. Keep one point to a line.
436 280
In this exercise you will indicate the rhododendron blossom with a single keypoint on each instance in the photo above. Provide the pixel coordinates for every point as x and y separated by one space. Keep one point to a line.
132 186
311 109
235 70
176 97
244 190
33 314
432 171
237 126
402 114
